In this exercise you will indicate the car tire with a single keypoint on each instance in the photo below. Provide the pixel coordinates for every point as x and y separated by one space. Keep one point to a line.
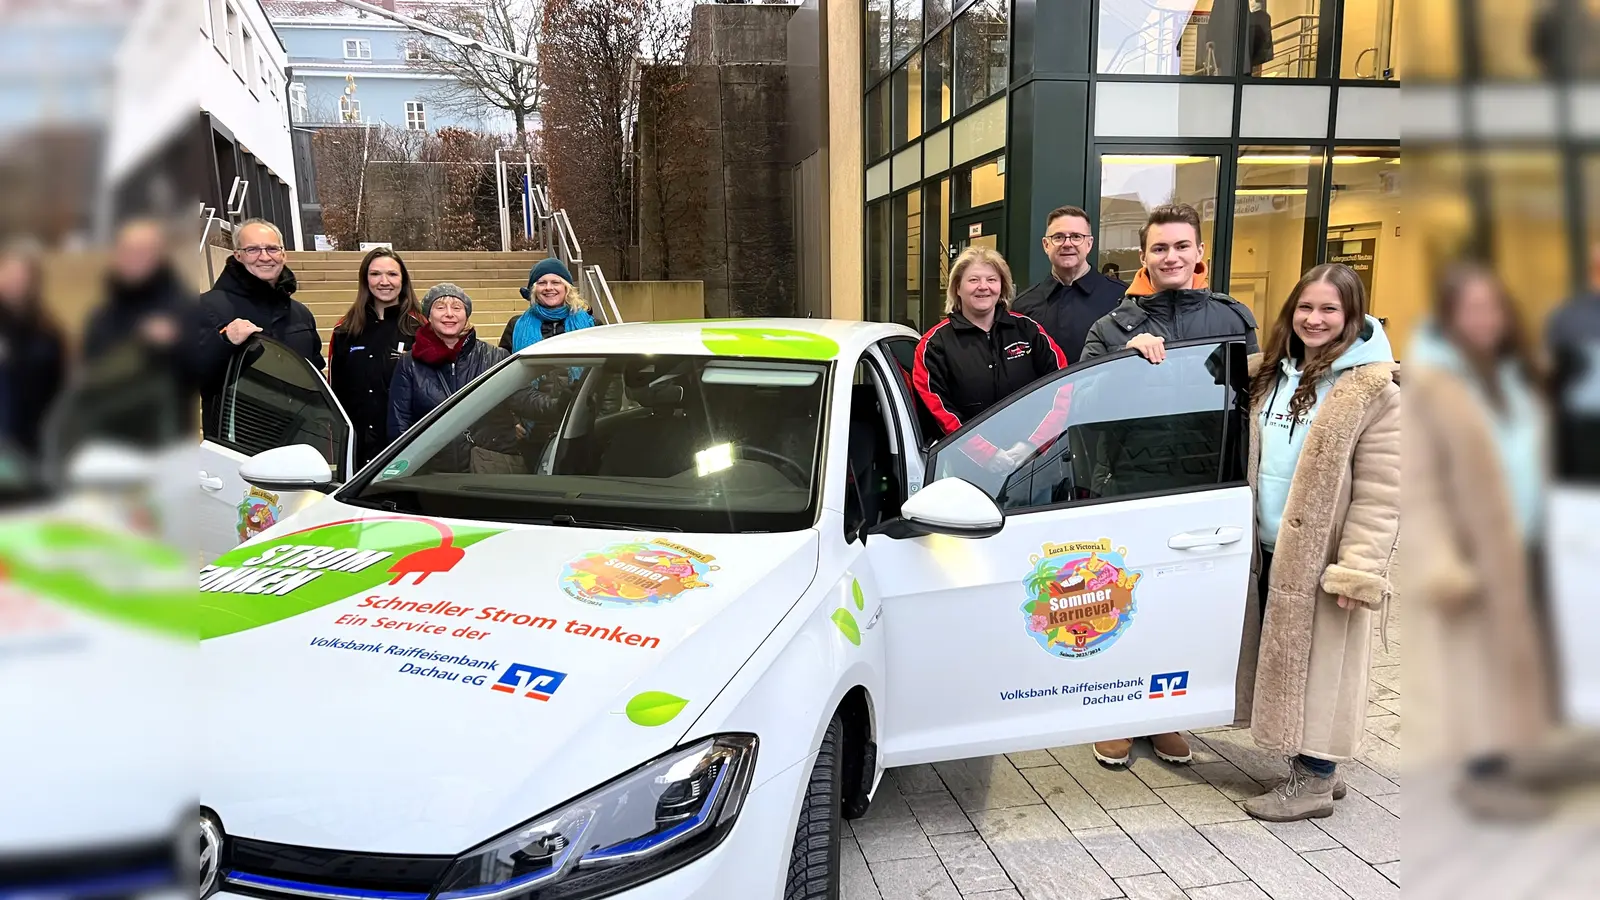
814 861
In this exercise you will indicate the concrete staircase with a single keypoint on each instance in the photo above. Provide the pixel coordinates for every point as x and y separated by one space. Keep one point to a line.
328 281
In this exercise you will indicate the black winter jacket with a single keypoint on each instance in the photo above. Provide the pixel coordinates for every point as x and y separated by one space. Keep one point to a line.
960 370
361 368
33 367
1175 316
240 295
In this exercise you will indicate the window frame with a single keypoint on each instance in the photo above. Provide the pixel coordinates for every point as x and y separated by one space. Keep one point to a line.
1235 419
898 448
361 46
418 121
349 109
299 102
340 469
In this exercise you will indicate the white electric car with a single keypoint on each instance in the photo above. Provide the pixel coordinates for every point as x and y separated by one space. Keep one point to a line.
658 643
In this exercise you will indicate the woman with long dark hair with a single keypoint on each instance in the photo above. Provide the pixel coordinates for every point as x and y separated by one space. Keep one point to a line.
33 357
1476 455
368 343
1325 466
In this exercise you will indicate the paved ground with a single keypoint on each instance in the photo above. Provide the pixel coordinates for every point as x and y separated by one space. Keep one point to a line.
1056 825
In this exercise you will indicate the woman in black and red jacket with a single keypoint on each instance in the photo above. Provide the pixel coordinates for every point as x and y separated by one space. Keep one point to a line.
982 353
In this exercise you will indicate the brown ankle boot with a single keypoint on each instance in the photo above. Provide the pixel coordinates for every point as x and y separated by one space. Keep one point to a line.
1301 796
1114 753
1171 747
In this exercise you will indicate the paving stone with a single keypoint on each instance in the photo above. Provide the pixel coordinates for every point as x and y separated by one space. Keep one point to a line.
1187 857
1388 676
1031 759
1042 858
1360 776
1354 877
1381 693
938 813
1201 804
1230 780
1115 852
1243 890
1302 836
885 840
1367 829
989 782
1112 788
918 779
1157 773
1150 887
888 803
1236 746
1390 871
1391 802
1381 756
1385 727
970 863
855 879
1282 873
1392 704
994 895
913 879
1066 798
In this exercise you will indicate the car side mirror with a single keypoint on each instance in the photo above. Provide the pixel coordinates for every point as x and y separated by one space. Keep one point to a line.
297 467
949 506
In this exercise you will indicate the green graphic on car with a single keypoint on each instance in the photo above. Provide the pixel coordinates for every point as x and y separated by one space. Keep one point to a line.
107 574
654 708
846 620
294 573
768 342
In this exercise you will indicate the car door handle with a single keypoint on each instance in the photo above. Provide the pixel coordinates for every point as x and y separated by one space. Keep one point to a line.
210 482
1206 537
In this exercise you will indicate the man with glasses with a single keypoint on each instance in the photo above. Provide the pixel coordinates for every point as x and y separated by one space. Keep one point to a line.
1074 296
252 296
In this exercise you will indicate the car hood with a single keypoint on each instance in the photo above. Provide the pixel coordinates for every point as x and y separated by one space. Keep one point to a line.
401 684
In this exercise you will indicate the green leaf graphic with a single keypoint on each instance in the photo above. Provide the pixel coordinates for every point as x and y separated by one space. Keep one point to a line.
768 342
847 625
855 589
653 708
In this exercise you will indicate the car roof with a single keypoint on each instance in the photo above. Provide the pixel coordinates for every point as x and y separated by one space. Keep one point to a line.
812 339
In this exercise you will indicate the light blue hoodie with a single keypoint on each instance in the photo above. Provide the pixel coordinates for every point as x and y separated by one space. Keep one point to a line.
1282 438
1518 431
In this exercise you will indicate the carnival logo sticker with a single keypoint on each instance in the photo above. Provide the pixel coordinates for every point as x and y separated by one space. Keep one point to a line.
1080 598
258 511
631 575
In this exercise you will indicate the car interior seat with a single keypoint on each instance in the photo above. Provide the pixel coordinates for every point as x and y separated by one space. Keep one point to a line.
662 443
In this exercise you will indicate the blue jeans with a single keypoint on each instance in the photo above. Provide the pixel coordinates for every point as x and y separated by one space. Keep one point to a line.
1318 767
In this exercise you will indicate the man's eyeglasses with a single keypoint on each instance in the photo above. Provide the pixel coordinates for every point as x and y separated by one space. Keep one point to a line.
260 250
1058 238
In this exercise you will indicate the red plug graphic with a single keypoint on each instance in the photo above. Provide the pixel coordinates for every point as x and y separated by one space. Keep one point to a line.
428 561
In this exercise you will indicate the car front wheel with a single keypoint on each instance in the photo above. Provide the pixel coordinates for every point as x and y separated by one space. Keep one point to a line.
814 861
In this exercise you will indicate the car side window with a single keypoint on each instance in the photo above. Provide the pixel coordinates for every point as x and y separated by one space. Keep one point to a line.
273 398
903 350
874 481
1111 428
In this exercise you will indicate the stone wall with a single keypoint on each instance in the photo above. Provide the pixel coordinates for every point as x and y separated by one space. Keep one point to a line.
715 187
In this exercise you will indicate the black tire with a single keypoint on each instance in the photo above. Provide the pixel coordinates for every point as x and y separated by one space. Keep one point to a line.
814 861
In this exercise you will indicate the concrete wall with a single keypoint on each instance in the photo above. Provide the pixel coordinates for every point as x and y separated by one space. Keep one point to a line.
659 301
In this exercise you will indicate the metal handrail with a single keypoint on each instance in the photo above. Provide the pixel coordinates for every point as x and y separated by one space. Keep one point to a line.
599 293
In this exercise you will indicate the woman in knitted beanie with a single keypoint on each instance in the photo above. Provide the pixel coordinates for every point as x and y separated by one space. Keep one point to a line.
554 307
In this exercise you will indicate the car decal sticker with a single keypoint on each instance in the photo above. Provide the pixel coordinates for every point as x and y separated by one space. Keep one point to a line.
846 620
781 343
1080 598
108 574
304 570
636 574
258 511
654 708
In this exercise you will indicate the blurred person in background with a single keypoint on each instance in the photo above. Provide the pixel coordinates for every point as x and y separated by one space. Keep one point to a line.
1325 467
33 355
1476 458
367 345
1573 338
253 295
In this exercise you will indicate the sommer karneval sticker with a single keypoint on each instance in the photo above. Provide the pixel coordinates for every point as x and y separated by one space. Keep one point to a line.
258 511
631 575
1080 598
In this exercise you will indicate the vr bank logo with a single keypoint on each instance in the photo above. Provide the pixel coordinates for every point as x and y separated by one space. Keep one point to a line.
1169 684
540 684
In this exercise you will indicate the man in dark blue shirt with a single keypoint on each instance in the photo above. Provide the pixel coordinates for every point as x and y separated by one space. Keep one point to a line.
1074 296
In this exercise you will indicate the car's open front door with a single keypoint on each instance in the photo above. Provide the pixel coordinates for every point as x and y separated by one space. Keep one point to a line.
271 398
1112 602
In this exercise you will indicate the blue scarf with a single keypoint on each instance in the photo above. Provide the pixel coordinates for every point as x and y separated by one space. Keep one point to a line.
530 325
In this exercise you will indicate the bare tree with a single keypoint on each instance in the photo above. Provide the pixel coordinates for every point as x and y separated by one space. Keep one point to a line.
477 78
591 53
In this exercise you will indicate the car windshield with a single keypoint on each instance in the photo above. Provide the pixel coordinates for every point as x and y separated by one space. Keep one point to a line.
683 443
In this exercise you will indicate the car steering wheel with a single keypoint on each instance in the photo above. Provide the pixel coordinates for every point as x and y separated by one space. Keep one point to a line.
790 469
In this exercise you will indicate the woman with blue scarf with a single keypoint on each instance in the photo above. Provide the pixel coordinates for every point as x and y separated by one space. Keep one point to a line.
554 307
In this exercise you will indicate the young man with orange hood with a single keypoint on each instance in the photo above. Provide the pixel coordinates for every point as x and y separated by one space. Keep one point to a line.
1167 301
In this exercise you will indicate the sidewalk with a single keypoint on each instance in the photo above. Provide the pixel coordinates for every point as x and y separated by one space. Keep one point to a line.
1056 825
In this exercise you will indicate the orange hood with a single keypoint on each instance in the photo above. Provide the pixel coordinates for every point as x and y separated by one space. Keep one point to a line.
1142 286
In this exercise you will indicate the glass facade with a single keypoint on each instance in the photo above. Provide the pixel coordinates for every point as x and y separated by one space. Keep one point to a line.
1277 119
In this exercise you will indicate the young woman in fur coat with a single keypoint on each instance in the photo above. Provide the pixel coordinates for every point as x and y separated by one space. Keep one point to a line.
1325 466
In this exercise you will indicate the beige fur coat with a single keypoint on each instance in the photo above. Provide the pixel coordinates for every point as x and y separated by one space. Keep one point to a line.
1303 673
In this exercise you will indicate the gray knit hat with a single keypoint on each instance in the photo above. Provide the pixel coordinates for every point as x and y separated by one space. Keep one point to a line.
445 289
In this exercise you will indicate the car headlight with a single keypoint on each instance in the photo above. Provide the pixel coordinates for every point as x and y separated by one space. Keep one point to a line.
656 818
